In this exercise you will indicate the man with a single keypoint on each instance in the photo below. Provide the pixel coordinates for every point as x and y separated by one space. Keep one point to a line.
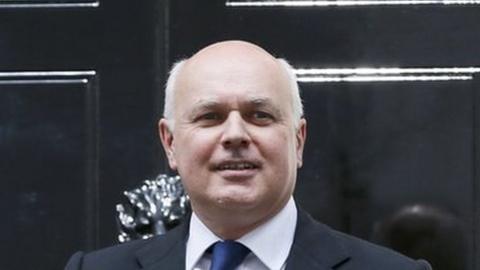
233 129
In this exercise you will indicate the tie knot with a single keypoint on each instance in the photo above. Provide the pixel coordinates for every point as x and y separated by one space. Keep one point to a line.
227 255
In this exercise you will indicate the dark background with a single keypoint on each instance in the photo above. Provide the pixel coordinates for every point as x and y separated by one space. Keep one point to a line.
70 143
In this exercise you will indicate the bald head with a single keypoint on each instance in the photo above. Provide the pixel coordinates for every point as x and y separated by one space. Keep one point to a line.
238 52
235 59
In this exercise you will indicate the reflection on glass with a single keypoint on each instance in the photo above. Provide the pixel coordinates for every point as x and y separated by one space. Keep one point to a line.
340 3
317 75
49 4
425 232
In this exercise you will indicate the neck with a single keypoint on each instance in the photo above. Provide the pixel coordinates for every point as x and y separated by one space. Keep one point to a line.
230 224
231 231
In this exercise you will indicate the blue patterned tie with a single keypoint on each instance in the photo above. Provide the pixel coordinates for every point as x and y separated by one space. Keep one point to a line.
227 255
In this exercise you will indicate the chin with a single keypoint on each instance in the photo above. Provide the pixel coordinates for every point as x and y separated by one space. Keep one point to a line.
236 201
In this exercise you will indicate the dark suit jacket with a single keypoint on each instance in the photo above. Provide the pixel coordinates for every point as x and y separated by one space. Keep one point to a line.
315 247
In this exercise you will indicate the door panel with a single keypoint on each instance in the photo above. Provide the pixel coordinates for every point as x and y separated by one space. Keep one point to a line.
48 144
373 147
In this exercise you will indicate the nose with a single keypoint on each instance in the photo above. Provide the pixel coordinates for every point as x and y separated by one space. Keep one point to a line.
235 133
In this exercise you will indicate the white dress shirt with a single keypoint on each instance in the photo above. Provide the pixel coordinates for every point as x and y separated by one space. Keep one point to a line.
270 243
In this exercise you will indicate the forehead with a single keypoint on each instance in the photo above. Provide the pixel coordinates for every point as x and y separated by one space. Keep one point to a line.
220 80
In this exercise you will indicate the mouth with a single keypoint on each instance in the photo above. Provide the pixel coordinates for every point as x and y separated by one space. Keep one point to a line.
236 166
237 170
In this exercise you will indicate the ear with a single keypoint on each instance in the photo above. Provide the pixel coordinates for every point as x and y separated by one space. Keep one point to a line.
166 136
301 137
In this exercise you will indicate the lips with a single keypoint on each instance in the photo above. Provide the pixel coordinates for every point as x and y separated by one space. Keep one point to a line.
237 165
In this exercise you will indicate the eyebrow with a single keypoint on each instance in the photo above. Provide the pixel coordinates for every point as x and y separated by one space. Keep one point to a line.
259 102
255 102
203 105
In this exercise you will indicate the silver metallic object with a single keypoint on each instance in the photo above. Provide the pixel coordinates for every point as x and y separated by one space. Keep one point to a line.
154 208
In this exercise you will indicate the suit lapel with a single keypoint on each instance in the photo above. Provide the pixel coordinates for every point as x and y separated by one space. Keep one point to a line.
315 246
166 251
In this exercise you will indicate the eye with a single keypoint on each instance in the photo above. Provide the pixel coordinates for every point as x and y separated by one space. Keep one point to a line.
262 115
262 118
210 116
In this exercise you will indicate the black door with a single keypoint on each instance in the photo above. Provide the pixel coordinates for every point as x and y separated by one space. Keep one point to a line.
78 105
80 94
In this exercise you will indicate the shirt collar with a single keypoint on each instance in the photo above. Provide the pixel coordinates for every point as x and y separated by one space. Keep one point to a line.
271 241
278 232
200 238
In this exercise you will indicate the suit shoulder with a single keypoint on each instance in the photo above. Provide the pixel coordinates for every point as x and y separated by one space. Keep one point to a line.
107 258
376 257
120 248
115 257
134 254
317 244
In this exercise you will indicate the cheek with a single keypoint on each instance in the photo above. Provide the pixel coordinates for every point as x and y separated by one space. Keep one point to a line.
276 145
194 147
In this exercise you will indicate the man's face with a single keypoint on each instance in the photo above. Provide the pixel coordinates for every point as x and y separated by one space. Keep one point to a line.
234 143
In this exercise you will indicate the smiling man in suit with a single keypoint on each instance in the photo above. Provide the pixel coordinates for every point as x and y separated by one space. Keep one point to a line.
234 130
